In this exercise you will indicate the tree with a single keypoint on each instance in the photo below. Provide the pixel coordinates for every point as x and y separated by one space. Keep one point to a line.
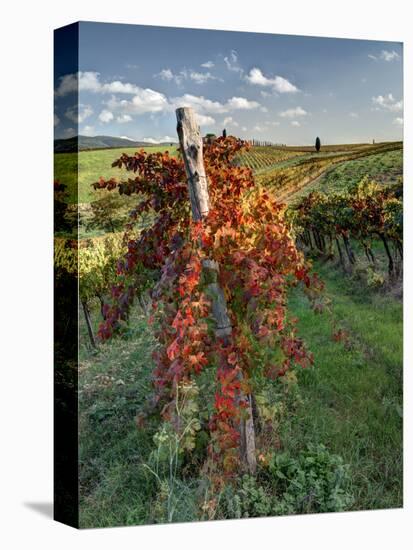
317 144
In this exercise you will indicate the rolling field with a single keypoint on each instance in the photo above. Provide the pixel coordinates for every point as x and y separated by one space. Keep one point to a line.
92 165
384 168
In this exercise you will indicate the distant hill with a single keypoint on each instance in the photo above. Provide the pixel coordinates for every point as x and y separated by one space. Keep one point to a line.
85 143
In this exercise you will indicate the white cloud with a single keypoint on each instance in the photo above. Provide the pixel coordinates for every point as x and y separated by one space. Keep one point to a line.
106 116
89 81
353 115
203 105
241 103
293 113
169 75
229 121
78 113
389 56
82 81
387 102
398 120
122 119
118 87
231 62
208 65
145 101
278 83
198 103
385 55
272 122
166 74
244 128
205 120
88 131
295 123
56 120
155 141
201 78
258 128
178 78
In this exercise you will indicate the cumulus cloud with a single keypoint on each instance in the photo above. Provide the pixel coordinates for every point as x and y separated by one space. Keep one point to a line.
258 128
56 120
88 131
166 74
398 120
295 123
82 81
207 106
208 64
387 102
106 116
89 81
293 113
353 115
229 121
144 101
78 113
198 103
122 119
241 103
277 83
205 120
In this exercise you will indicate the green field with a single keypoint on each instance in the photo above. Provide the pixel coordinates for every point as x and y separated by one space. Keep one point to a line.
91 165
384 168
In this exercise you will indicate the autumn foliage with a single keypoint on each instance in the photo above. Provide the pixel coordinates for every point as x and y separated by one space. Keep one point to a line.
246 234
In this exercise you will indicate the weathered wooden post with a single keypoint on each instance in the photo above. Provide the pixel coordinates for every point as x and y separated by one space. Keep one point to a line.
190 141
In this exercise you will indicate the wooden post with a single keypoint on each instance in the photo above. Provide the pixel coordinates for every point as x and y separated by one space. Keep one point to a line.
190 141
89 324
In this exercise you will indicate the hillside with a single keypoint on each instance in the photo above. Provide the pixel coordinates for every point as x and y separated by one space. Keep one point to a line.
84 143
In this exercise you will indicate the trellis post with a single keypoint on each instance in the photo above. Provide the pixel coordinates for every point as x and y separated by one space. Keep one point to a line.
191 146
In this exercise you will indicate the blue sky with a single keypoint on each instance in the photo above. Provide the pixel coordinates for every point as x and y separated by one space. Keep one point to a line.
286 89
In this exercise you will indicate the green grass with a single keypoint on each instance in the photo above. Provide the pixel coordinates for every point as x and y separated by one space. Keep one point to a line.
384 168
352 398
92 165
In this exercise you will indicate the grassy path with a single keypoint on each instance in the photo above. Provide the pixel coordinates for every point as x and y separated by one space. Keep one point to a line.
352 398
